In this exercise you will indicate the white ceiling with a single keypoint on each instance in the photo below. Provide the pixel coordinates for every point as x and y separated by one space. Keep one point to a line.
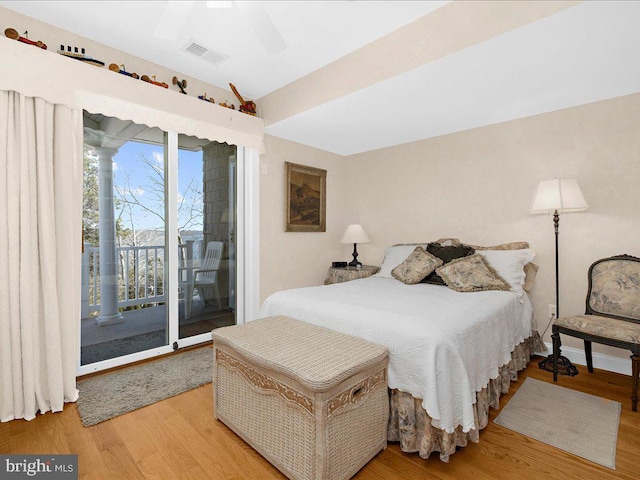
316 33
580 55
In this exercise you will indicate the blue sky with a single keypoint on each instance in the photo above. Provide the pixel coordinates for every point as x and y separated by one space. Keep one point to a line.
135 178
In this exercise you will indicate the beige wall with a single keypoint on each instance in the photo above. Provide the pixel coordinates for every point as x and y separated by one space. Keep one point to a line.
478 185
295 259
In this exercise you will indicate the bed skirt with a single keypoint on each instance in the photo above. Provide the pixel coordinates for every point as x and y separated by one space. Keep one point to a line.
410 425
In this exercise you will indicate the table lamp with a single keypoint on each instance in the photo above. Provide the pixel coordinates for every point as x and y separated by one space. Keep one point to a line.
355 234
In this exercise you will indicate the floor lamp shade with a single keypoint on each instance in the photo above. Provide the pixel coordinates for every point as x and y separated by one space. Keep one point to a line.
355 234
561 194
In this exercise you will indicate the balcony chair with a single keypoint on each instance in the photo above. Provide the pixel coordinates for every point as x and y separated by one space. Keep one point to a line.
612 315
202 278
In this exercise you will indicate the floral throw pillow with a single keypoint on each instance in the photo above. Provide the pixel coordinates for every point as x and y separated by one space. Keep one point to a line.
471 274
416 266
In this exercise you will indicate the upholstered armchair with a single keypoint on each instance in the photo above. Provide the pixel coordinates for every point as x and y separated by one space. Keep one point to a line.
612 315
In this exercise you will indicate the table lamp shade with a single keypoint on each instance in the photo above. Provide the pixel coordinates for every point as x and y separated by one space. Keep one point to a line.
355 234
561 194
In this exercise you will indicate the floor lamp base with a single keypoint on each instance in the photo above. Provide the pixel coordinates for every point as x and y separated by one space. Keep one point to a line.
564 366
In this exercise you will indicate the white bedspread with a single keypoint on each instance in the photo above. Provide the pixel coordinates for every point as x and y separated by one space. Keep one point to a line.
444 346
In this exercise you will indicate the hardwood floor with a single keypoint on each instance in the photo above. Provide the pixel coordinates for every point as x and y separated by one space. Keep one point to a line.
178 438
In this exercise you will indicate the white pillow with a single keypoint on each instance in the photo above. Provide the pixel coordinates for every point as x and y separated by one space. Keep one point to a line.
510 265
394 256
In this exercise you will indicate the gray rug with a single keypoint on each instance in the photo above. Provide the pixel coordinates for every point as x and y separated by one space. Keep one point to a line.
111 394
578 423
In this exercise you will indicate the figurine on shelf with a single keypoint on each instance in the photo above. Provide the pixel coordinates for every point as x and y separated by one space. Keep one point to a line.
79 55
14 35
204 97
226 105
181 84
145 78
245 107
114 67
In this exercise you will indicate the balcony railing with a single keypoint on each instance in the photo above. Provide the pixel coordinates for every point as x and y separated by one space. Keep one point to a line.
141 275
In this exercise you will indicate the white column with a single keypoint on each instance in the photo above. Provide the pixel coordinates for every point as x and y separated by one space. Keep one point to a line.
109 313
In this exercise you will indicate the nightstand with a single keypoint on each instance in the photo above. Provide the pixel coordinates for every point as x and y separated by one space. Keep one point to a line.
346 274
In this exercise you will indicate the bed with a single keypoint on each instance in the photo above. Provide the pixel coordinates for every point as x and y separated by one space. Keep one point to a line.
451 354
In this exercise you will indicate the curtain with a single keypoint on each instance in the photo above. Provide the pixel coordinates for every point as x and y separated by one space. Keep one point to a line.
40 252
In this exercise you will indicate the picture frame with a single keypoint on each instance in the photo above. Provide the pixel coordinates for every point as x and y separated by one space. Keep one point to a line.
306 198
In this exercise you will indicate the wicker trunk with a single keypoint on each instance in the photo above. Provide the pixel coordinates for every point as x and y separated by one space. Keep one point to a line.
312 401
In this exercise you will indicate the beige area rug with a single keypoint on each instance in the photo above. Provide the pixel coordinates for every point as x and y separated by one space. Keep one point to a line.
111 394
576 422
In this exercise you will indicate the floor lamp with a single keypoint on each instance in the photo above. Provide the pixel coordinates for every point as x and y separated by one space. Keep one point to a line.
560 195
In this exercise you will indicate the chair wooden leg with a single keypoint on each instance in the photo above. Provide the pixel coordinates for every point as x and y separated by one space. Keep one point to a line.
587 352
635 373
555 337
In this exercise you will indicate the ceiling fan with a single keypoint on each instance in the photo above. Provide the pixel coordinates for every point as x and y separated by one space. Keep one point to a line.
176 12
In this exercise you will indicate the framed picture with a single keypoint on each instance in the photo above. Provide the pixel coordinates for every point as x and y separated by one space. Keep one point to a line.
306 198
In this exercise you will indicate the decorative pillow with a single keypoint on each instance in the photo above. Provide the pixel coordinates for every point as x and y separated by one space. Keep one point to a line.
471 274
503 246
446 254
416 266
394 256
510 265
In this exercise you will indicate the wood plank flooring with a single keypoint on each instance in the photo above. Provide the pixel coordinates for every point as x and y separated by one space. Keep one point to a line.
178 438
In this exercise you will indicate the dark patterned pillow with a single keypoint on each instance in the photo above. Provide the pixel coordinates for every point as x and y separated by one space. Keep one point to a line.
471 274
446 254
416 266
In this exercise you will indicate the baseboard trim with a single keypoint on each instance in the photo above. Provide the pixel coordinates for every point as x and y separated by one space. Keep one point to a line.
600 360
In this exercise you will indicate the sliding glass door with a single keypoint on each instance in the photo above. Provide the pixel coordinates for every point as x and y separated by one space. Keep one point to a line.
158 258
206 220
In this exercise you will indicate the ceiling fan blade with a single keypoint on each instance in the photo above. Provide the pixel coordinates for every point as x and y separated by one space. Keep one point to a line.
263 26
173 19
